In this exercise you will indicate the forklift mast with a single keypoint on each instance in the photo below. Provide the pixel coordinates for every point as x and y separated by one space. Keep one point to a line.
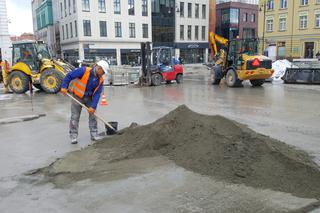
145 78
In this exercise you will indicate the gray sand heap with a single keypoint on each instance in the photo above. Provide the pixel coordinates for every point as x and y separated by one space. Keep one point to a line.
210 145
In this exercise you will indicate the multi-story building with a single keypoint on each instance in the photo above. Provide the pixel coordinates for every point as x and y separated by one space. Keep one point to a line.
45 24
291 28
109 29
212 16
5 51
241 1
23 36
237 18
183 25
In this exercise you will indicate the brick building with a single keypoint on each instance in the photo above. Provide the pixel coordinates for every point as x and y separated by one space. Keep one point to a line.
24 36
237 19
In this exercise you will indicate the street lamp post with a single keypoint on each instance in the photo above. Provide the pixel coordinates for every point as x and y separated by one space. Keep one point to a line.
264 23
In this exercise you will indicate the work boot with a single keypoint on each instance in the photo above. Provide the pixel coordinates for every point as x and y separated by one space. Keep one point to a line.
96 137
74 141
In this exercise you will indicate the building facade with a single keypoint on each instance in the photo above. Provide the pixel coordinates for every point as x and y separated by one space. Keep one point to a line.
182 25
5 51
23 36
212 16
104 29
46 25
291 28
236 18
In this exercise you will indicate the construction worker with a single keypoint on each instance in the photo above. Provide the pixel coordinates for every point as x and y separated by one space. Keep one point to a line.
87 88
5 69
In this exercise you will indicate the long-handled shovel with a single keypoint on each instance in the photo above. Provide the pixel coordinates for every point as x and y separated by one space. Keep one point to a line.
101 119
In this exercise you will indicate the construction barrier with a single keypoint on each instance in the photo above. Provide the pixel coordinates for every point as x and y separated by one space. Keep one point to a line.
123 75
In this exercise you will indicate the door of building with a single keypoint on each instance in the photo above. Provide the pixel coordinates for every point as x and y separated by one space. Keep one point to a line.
309 49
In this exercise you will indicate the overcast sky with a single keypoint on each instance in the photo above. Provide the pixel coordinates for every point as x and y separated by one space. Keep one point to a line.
20 16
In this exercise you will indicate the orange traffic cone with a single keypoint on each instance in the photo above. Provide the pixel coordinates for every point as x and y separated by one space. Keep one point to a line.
103 100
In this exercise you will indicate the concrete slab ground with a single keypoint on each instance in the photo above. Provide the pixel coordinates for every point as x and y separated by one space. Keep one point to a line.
286 112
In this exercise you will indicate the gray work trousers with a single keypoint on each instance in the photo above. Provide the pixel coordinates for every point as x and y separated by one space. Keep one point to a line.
75 116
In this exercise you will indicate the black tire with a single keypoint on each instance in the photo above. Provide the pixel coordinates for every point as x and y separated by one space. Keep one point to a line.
168 82
38 86
51 81
257 82
18 82
232 79
179 78
156 79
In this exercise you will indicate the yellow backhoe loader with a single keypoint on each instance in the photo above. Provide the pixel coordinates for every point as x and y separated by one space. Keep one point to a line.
32 63
237 60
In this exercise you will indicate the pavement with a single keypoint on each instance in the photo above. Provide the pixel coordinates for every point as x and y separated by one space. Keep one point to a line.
289 113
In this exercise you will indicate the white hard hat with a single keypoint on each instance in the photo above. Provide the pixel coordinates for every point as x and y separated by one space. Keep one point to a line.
104 65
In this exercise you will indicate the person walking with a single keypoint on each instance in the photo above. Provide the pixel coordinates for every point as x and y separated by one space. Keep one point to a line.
5 69
87 87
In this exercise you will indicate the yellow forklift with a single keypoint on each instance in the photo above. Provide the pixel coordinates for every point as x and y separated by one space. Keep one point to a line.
33 65
238 60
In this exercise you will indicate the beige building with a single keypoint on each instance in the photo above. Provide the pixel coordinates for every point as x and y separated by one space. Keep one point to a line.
290 28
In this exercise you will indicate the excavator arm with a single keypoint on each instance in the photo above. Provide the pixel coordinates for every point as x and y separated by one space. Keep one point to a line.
214 38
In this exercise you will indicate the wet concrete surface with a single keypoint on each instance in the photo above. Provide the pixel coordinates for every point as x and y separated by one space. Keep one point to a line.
286 112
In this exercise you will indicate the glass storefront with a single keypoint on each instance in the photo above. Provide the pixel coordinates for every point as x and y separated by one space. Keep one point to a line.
193 55
130 57
94 55
71 56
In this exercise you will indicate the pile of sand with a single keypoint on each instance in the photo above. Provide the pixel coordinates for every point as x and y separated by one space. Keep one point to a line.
209 145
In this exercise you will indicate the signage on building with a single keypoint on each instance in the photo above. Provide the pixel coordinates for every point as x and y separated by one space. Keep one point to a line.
193 46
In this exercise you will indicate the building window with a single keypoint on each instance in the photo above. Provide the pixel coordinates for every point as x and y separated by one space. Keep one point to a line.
131 7
65 8
145 31
117 8
71 31
253 17
181 32
132 30
281 45
203 33
85 5
204 11
270 4
318 20
304 2
63 33
61 10
103 28
282 24
69 6
196 32
118 30
269 25
144 8
189 32
303 22
86 28
197 10
102 6
74 6
75 29
283 4
189 10
245 17
181 9
67 31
